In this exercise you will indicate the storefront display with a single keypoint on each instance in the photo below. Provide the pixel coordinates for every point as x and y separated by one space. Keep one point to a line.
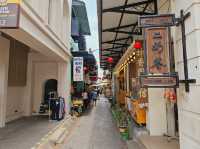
131 94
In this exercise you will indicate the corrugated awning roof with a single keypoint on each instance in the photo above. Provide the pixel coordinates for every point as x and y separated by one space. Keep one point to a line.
80 23
118 25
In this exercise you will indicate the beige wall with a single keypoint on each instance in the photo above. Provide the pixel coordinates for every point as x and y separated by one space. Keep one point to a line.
189 103
50 41
42 71
15 101
17 80
55 14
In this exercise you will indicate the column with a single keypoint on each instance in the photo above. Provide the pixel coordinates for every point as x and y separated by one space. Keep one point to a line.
4 64
64 82
157 122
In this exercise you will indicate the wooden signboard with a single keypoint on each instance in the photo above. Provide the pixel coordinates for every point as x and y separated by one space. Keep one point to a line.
159 81
164 20
9 13
157 50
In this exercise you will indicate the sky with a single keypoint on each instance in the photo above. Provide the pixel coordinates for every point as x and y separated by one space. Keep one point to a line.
93 40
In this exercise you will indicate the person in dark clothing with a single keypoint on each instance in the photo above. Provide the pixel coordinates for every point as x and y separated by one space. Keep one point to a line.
98 92
94 97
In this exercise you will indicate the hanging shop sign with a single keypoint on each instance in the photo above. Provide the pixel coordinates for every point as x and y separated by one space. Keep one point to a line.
157 50
158 53
164 20
159 81
78 69
9 13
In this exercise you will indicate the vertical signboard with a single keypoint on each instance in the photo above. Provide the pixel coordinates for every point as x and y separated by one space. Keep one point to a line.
157 50
158 53
9 13
78 69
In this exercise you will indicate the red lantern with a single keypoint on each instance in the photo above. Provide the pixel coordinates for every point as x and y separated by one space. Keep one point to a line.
93 78
85 68
137 45
110 60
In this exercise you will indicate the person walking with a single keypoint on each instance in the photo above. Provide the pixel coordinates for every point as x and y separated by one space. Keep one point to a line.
85 99
94 97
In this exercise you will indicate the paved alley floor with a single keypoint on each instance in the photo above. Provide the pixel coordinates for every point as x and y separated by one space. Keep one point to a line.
95 130
25 132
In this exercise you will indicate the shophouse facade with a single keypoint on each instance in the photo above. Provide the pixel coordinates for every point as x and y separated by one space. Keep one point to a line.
159 121
188 102
36 52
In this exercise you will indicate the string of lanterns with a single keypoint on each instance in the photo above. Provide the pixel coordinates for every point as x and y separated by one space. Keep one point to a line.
137 46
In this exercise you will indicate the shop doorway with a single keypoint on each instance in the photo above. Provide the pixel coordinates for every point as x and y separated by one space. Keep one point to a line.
44 80
51 85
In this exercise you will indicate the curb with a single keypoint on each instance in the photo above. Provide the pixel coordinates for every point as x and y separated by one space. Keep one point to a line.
57 135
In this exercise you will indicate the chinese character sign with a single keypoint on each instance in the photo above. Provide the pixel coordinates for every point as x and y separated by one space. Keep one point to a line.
157 50
9 13
78 68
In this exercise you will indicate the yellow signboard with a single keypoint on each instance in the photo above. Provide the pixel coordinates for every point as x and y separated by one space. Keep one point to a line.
5 2
9 13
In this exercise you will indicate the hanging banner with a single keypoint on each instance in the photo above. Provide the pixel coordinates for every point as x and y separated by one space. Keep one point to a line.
9 13
78 69
157 50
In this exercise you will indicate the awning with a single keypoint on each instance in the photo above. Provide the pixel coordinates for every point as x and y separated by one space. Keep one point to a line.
118 25
80 23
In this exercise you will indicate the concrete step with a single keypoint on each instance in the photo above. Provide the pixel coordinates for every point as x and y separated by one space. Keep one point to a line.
157 142
57 135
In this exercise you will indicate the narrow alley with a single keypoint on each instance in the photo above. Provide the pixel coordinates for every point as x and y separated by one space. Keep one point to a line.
99 74
96 130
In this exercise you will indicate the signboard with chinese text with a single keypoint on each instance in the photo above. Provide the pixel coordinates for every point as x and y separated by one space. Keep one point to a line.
159 81
78 69
9 13
158 59
164 20
157 50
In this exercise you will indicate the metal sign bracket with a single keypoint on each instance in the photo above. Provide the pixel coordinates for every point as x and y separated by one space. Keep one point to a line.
181 22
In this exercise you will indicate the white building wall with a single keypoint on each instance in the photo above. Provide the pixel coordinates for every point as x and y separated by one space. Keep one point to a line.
156 117
189 103
52 40
40 69
42 72
15 101
55 14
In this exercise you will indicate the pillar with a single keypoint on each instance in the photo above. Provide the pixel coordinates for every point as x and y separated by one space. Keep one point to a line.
157 121
64 82
4 64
